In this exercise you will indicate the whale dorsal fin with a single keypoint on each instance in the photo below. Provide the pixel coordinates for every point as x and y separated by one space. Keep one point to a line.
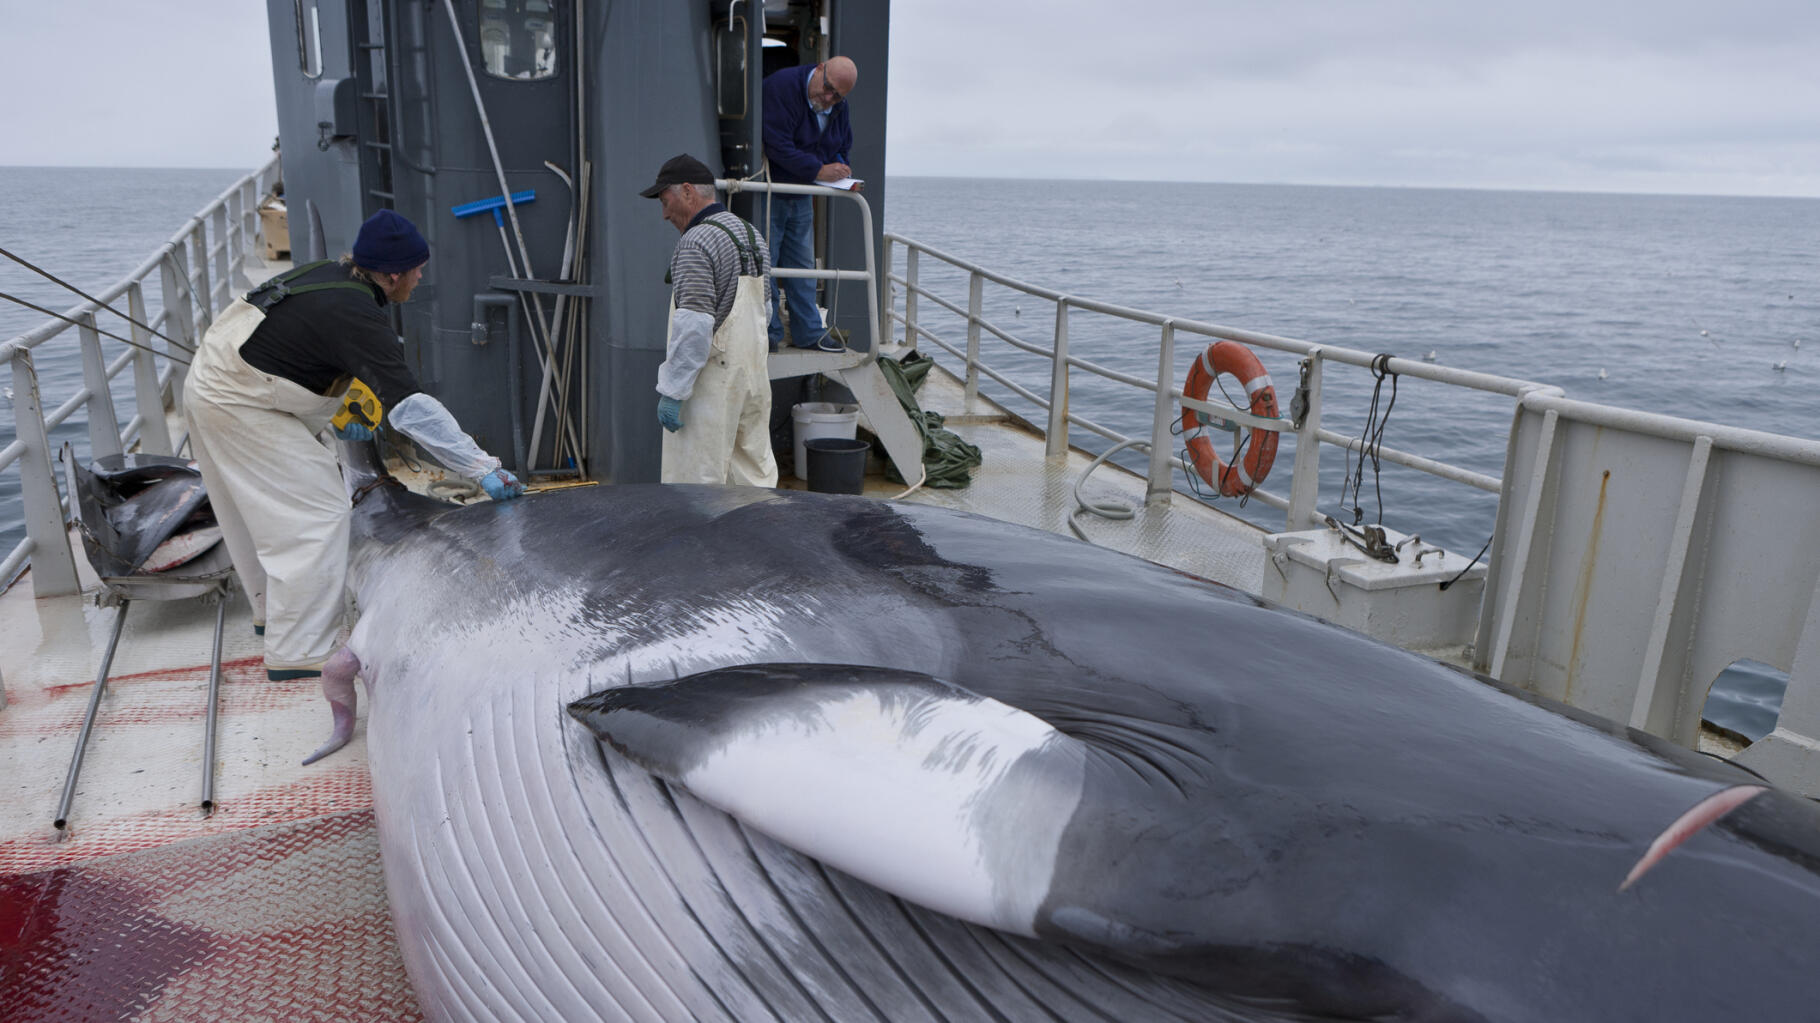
932 792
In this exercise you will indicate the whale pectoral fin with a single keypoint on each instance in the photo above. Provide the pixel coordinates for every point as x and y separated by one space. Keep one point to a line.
929 791
338 688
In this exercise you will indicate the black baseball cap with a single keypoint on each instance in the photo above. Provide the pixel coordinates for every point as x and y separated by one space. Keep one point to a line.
680 170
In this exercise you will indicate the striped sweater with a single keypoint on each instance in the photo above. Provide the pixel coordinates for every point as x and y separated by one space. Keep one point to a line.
706 266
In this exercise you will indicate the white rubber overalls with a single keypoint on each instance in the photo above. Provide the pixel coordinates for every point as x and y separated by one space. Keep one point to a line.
276 491
726 433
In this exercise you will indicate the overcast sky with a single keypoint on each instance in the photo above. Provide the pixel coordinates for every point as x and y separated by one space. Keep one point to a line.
1716 96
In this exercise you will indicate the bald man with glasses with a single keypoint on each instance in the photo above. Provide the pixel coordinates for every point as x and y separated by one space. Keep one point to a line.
807 136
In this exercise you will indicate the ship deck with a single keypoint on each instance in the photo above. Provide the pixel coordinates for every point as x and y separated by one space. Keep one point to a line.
273 905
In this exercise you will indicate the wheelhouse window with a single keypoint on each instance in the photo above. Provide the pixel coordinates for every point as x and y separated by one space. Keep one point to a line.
518 38
309 39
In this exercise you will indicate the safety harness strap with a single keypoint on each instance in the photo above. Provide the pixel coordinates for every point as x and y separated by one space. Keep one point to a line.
276 290
748 253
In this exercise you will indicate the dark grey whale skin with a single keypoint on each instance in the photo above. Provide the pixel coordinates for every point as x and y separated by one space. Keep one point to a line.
1287 815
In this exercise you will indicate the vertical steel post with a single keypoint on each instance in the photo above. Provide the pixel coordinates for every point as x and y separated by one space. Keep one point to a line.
1161 483
235 235
103 425
154 435
1305 479
179 323
1528 524
53 565
911 337
890 285
976 286
1654 704
202 291
224 276
249 220
877 340
1057 446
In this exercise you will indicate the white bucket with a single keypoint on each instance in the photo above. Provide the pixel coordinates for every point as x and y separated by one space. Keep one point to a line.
821 419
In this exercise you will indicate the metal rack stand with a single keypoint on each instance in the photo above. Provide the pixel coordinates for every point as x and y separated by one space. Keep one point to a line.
209 576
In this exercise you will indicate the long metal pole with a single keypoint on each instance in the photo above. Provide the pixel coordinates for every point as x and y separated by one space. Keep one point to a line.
88 724
549 364
540 332
208 729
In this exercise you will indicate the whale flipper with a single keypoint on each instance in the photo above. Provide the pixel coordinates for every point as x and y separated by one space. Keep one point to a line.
936 794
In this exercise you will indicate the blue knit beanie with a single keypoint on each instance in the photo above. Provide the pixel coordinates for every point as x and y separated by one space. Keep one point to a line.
390 244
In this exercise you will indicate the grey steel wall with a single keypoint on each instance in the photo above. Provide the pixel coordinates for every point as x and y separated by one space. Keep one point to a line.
444 162
653 98
322 186
861 32
648 79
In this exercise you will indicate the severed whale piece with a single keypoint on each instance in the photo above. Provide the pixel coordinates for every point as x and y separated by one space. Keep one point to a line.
681 753
140 512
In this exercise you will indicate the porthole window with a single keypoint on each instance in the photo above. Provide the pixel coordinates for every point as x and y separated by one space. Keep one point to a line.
518 38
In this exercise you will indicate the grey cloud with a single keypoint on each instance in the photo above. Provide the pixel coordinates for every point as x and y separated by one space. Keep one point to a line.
1526 95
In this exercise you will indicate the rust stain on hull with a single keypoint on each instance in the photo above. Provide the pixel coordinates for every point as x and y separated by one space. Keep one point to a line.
1583 587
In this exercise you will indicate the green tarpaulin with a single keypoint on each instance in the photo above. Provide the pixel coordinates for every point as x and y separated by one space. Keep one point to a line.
946 458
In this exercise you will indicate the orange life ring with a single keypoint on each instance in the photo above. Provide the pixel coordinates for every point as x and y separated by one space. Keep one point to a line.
1243 476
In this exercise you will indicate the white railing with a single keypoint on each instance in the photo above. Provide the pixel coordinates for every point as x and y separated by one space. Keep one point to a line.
1299 505
195 272
1634 556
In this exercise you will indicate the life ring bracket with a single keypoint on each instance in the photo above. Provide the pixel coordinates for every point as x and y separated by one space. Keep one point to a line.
1211 413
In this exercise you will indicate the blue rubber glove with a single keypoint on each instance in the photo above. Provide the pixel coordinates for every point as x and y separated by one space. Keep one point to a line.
354 431
669 413
501 485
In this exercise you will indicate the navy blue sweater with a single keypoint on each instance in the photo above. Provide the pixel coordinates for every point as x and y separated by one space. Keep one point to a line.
796 147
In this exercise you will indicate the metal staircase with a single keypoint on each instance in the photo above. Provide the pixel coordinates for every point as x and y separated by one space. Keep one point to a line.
858 372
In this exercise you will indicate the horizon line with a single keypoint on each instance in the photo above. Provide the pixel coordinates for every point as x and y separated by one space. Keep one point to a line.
1537 189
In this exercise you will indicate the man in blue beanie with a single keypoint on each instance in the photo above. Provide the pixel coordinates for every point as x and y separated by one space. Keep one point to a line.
269 375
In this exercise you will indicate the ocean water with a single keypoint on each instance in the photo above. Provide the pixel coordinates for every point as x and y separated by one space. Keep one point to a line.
1695 306
1682 305
1685 303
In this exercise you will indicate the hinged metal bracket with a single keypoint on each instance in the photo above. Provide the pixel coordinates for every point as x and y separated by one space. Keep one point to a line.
569 288
1298 402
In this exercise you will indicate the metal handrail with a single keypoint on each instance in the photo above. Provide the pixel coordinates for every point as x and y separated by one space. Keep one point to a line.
1416 369
198 262
1300 504
733 186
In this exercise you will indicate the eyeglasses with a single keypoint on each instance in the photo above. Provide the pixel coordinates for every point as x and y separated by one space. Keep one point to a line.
828 92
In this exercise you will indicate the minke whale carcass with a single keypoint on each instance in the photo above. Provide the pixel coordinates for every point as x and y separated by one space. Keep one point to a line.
694 753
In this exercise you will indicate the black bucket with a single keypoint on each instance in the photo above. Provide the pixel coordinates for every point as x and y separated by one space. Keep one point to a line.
837 465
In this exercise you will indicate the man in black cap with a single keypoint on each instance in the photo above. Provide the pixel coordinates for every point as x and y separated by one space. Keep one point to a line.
269 375
714 392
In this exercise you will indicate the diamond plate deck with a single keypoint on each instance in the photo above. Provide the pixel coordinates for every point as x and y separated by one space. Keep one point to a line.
286 921
275 907
1016 483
